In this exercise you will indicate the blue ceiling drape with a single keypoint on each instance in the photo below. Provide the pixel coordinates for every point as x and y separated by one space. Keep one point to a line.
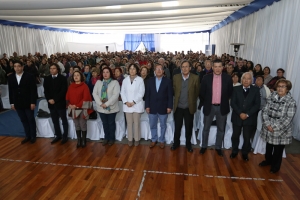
132 41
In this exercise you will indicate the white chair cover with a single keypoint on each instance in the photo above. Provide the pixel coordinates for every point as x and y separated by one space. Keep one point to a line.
5 96
169 134
72 130
44 126
120 123
212 132
40 88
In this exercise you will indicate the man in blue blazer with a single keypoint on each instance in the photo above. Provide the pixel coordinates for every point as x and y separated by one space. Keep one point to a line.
22 96
158 103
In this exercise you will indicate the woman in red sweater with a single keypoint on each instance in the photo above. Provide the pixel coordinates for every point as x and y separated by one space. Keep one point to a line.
79 103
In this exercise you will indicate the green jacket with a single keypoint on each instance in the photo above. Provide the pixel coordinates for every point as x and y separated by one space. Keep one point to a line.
193 91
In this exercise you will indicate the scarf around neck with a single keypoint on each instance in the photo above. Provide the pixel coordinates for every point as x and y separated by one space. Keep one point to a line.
104 91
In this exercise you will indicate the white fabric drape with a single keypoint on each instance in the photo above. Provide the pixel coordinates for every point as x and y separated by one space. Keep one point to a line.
181 42
27 40
271 38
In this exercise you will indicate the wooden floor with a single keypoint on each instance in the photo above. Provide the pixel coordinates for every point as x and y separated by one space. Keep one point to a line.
45 171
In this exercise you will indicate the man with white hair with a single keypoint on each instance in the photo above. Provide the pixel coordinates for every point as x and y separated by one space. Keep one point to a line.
245 103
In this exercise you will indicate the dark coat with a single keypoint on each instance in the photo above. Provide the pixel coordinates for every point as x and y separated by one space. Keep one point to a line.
158 102
56 89
23 94
206 92
249 105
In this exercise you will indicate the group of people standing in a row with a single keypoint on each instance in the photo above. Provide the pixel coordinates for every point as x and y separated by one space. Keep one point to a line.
161 96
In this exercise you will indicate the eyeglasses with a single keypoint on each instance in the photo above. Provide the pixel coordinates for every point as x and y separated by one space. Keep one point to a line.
281 86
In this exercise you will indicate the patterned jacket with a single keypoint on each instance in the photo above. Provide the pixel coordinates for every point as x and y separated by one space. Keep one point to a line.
279 115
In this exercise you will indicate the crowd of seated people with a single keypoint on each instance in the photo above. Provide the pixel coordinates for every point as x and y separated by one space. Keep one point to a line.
124 75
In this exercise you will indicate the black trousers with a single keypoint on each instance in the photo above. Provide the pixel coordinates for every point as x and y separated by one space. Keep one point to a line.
27 118
180 115
274 155
235 138
55 114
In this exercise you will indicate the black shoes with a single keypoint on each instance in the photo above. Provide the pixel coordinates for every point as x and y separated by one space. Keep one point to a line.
83 141
190 149
273 171
111 142
245 157
25 140
173 147
220 153
56 140
78 133
202 151
264 163
64 140
105 142
32 141
233 155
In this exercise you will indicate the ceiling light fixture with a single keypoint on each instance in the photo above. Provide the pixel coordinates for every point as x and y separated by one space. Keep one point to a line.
113 7
169 4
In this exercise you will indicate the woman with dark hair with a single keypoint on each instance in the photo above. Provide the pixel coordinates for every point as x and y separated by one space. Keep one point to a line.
277 118
258 70
198 68
272 82
132 92
249 65
150 67
79 103
10 69
267 76
87 74
106 93
235 79
119 75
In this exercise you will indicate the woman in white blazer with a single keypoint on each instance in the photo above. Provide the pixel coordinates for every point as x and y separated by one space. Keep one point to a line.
106 94
132 93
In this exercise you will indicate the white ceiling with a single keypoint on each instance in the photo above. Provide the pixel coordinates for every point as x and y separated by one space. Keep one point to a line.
121 16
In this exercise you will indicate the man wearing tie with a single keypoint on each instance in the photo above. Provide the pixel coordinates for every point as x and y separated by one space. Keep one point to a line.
22 96
245 103
158 103
215 92
55 89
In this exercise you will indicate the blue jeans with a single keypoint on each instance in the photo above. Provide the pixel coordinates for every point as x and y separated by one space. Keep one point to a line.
27 118
153 118
109 125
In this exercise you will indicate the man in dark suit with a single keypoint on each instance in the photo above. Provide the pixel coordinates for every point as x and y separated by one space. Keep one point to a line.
186 87
22 96
245 103
215 92
55 89
158 103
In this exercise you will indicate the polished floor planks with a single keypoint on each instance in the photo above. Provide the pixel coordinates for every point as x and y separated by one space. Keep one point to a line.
45 171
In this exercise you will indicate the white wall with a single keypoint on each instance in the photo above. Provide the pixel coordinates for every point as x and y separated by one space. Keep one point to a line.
271 37
181 42
27 40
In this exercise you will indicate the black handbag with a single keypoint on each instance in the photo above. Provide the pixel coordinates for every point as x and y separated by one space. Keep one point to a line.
93 115
42 114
